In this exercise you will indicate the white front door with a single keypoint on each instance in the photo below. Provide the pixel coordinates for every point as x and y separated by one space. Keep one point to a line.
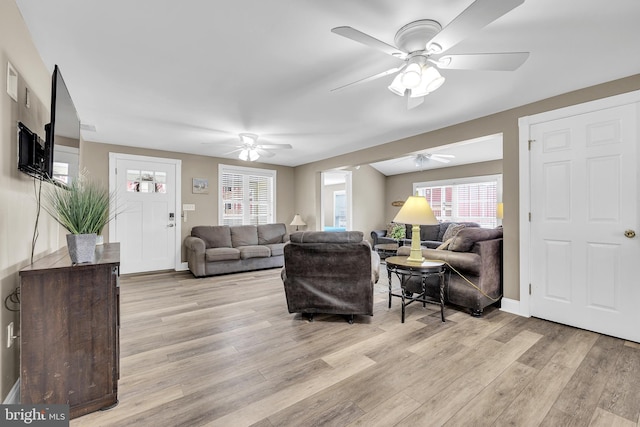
147 222
584 197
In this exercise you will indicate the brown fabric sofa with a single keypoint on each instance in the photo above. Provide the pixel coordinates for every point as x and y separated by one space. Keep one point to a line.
329 272
221 249
476 255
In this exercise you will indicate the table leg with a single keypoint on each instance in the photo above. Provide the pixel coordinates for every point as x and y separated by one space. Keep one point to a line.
442 295
389 276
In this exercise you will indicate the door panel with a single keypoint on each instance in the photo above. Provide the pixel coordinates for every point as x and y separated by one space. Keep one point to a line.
583 198
146 224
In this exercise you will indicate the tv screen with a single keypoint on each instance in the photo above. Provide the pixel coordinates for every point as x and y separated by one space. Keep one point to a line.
63 133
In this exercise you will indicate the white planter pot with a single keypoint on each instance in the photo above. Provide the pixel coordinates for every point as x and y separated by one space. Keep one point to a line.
82 248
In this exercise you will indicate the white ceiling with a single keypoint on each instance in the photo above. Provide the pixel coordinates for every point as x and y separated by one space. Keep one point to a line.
189 76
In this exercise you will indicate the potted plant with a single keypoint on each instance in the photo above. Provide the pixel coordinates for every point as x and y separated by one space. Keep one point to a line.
398 232
83 209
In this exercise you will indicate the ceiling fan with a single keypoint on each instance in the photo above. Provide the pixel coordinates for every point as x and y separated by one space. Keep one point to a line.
421 159
420 45
249 149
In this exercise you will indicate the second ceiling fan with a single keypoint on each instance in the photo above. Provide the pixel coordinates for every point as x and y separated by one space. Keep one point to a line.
420 45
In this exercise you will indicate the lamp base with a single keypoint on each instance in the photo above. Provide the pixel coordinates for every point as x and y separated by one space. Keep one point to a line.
416 251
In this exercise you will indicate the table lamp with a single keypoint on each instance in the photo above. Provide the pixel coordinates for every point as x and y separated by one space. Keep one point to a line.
297 221
416 211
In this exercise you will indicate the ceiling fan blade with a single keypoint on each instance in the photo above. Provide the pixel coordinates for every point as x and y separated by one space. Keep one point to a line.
273 146
360 37
232 152
265 153
414 102
478 15
484 61
439 159
449 156
371 78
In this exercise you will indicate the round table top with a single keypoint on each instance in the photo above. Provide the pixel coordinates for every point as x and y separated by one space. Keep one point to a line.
426 265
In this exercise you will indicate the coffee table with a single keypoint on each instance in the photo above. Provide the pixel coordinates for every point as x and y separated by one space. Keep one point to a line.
404 270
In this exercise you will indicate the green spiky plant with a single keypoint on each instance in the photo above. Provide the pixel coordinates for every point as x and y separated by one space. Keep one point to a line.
81 207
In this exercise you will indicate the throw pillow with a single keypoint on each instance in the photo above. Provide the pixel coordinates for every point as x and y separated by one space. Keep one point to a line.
466 238
390 228
452 231
444 246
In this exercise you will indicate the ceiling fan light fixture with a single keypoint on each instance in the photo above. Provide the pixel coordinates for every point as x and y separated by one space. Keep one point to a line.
397 87
244 154
412 75
248 138
431 80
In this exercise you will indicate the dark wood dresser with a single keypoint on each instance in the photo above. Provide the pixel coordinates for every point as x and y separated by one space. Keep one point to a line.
69 320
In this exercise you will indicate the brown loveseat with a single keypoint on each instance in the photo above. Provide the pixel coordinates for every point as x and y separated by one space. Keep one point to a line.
476 255
329 272
221 249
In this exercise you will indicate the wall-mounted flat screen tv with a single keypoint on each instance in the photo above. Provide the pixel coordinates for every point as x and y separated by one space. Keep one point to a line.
63 133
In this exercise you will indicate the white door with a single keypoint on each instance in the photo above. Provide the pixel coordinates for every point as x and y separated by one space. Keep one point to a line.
146 224
584 196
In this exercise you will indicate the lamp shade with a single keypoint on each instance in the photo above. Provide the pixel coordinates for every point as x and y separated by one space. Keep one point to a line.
416 211
297 221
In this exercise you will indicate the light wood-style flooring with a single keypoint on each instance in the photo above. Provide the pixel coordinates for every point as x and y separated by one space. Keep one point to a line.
224 351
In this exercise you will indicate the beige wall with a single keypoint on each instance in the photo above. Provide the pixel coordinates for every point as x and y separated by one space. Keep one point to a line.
17 196
505 122
94 157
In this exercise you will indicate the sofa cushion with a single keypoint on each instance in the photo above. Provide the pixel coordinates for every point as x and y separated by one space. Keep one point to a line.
254 251
429 232
221 254
271 233
468 236
326 237
244 235
276 249
216 236
452 230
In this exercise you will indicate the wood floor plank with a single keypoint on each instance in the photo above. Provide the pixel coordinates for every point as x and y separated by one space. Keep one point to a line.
224 351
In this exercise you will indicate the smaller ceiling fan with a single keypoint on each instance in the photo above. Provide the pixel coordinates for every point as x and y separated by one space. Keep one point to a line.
420 45
249 149
421 159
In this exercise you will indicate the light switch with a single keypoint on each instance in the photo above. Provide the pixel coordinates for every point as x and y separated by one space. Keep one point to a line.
189 207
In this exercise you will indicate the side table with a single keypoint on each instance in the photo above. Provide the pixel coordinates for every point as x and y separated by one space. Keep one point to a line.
404 270
386 250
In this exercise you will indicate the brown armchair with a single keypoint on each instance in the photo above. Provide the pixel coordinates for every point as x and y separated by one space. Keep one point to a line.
329 272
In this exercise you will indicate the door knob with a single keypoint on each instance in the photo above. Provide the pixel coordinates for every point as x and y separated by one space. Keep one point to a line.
630 234
171 225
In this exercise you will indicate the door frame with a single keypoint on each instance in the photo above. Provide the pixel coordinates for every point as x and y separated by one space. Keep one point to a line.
113 187
523 306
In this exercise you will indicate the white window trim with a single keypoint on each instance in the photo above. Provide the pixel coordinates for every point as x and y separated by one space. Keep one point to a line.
222 169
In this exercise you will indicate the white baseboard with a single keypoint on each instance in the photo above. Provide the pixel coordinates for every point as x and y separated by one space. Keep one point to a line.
13 398
511 306
184 266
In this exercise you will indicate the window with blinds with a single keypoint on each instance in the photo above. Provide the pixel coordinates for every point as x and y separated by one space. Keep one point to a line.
247 195
467 200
